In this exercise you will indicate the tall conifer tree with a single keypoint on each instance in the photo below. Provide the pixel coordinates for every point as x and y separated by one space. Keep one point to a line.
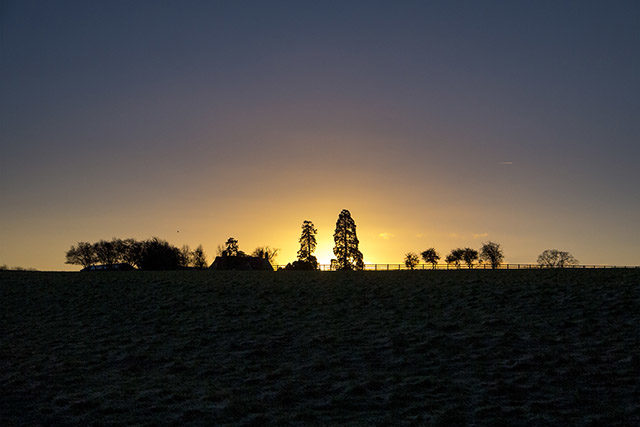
348 256
308 243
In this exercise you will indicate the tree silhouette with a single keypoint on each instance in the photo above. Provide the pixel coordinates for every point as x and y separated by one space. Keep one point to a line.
199 258
151 254
186 259
430 256
491 253
130 251
307 242
411 259
158 254
106 252
348 256
119 248
555 258
267 253
231 247
306 259
127 251
81 254
455 257
469 256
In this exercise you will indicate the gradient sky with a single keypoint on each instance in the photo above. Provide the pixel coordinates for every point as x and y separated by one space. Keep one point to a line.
437 124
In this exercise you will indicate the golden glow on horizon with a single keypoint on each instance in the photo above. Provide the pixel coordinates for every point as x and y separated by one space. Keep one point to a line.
386 227
324 252
325 257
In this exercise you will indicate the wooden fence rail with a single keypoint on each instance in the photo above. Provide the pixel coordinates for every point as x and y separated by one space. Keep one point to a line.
419 267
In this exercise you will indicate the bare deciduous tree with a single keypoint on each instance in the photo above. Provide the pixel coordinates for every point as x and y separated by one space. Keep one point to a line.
131 252
556 258
151 254
469 256
430 256
491 253
81 254
411 260
220 250
106 252
455 257
267 253
199 258
186 256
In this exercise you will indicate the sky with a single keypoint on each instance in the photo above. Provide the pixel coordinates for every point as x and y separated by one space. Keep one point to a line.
438 124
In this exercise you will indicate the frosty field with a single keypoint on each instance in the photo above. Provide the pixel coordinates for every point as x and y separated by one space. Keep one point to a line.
203 347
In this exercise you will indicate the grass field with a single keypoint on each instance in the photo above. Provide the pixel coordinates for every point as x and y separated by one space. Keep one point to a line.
432 347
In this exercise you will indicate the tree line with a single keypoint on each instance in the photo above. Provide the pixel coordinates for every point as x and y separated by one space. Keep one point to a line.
153 254
150 254
157 254
490 253
348 255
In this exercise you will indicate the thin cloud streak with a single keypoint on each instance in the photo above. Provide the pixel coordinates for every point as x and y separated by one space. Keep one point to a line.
386 236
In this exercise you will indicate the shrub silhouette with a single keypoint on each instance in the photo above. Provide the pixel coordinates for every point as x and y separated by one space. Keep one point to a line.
310 265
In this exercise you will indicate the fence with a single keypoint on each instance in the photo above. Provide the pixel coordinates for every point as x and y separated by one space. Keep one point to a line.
400 267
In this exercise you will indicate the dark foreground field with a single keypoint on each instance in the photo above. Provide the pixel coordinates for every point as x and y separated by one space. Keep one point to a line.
443 347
